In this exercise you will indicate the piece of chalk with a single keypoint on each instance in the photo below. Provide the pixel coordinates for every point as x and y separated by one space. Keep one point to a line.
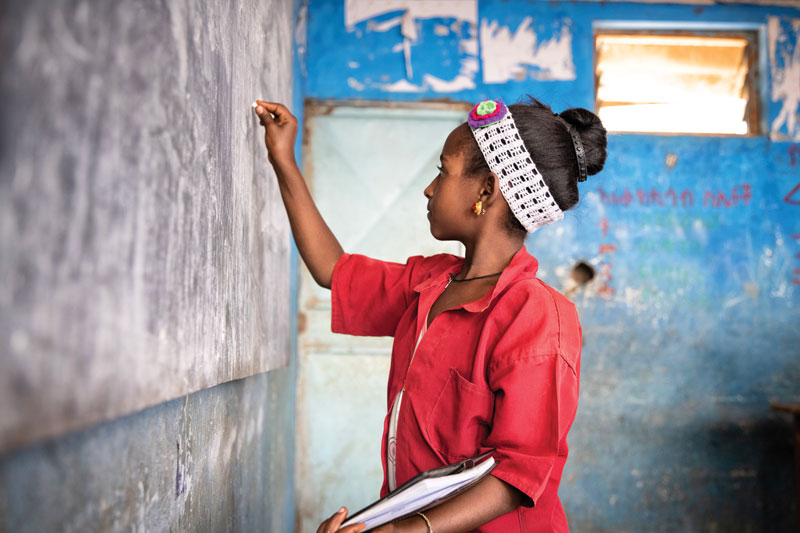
255 105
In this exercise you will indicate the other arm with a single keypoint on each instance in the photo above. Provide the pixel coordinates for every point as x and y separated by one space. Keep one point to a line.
488 499
315 241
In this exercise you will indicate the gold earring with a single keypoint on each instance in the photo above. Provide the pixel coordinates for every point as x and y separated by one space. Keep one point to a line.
477 208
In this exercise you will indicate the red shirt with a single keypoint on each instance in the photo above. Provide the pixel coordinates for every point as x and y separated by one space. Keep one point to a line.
500 372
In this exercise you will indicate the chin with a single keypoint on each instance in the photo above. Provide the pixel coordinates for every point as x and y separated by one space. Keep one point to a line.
440 236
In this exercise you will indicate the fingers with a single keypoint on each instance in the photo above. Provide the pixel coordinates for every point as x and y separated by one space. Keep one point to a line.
281 112
336 520
274 107
332 524
263 115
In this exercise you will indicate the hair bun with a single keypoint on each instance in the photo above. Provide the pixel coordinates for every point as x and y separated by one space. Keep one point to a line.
593 136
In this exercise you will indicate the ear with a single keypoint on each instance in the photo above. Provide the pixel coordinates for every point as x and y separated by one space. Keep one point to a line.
490 189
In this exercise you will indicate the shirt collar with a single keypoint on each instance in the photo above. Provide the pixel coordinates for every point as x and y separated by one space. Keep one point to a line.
523 265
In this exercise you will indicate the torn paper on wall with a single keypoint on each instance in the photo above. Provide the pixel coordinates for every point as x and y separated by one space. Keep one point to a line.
784 64
509 56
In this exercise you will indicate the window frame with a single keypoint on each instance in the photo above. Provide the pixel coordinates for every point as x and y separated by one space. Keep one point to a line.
755 51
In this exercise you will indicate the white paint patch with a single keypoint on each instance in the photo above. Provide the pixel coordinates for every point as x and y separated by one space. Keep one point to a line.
507 56
355 84
402 86
386 25
730 302
785 71
356 11
468 46
464 80
353 64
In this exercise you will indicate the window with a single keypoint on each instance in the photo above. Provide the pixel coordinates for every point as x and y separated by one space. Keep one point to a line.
697 82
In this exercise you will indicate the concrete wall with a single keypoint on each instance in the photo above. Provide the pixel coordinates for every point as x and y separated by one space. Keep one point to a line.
690 328
145 249
145 264
215 460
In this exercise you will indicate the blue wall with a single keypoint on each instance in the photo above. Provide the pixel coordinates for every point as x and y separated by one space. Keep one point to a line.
691 328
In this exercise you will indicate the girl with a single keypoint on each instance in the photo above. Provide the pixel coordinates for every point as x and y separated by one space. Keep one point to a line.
485 355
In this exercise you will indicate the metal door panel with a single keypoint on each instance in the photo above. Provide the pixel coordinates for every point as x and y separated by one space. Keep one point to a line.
367 168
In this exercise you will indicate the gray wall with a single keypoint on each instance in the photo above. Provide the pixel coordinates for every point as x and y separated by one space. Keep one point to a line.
144 256
145 249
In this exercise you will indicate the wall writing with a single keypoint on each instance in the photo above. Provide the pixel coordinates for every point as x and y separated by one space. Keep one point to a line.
738 195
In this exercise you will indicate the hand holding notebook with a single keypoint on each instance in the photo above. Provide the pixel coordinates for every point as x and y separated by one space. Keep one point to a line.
424 491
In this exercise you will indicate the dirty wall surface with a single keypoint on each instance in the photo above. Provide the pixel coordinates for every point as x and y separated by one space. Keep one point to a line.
215 460
690 325
144 261
144 252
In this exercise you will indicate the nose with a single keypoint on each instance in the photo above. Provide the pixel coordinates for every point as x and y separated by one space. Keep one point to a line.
428 192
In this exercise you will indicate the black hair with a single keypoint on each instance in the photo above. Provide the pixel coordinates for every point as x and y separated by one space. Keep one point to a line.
547 138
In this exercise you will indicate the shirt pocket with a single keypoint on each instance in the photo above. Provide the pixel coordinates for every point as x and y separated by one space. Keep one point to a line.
461 418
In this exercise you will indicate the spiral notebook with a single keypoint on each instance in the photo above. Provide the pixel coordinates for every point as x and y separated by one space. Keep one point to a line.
425 490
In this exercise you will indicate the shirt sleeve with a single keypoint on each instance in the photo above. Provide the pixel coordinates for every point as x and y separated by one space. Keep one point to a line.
369 296
536 398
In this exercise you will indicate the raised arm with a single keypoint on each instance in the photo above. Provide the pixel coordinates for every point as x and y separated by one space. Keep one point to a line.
315 241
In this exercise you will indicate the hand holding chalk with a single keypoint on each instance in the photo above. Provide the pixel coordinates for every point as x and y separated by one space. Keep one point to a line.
281 131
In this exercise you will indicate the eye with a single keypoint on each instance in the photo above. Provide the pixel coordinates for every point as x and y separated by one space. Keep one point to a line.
439 167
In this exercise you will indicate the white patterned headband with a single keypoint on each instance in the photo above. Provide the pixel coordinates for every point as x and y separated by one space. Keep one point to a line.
520 181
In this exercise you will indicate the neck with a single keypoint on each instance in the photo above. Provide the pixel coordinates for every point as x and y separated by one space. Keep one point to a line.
489 255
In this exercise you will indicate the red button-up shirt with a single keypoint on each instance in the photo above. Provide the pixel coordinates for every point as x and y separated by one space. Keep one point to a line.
500 372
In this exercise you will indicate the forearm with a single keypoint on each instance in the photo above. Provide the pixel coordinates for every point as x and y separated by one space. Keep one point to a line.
315 241
474 507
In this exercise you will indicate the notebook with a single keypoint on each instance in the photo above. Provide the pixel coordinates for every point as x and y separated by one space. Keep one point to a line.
425 490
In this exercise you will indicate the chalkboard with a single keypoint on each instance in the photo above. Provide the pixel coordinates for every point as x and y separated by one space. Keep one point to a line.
144 249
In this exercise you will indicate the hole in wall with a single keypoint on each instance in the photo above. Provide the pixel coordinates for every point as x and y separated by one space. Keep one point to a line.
582 273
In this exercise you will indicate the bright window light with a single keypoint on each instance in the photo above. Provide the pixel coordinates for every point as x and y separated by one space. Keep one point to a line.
676 83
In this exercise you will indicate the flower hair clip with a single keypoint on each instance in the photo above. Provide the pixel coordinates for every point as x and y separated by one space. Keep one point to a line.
486 113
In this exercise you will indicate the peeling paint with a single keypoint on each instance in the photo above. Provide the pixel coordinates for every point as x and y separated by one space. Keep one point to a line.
402 86
360 10
784 61
355 84
506 56
464 80
412 10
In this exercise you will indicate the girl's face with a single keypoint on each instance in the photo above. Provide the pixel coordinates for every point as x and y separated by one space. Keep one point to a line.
451 195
